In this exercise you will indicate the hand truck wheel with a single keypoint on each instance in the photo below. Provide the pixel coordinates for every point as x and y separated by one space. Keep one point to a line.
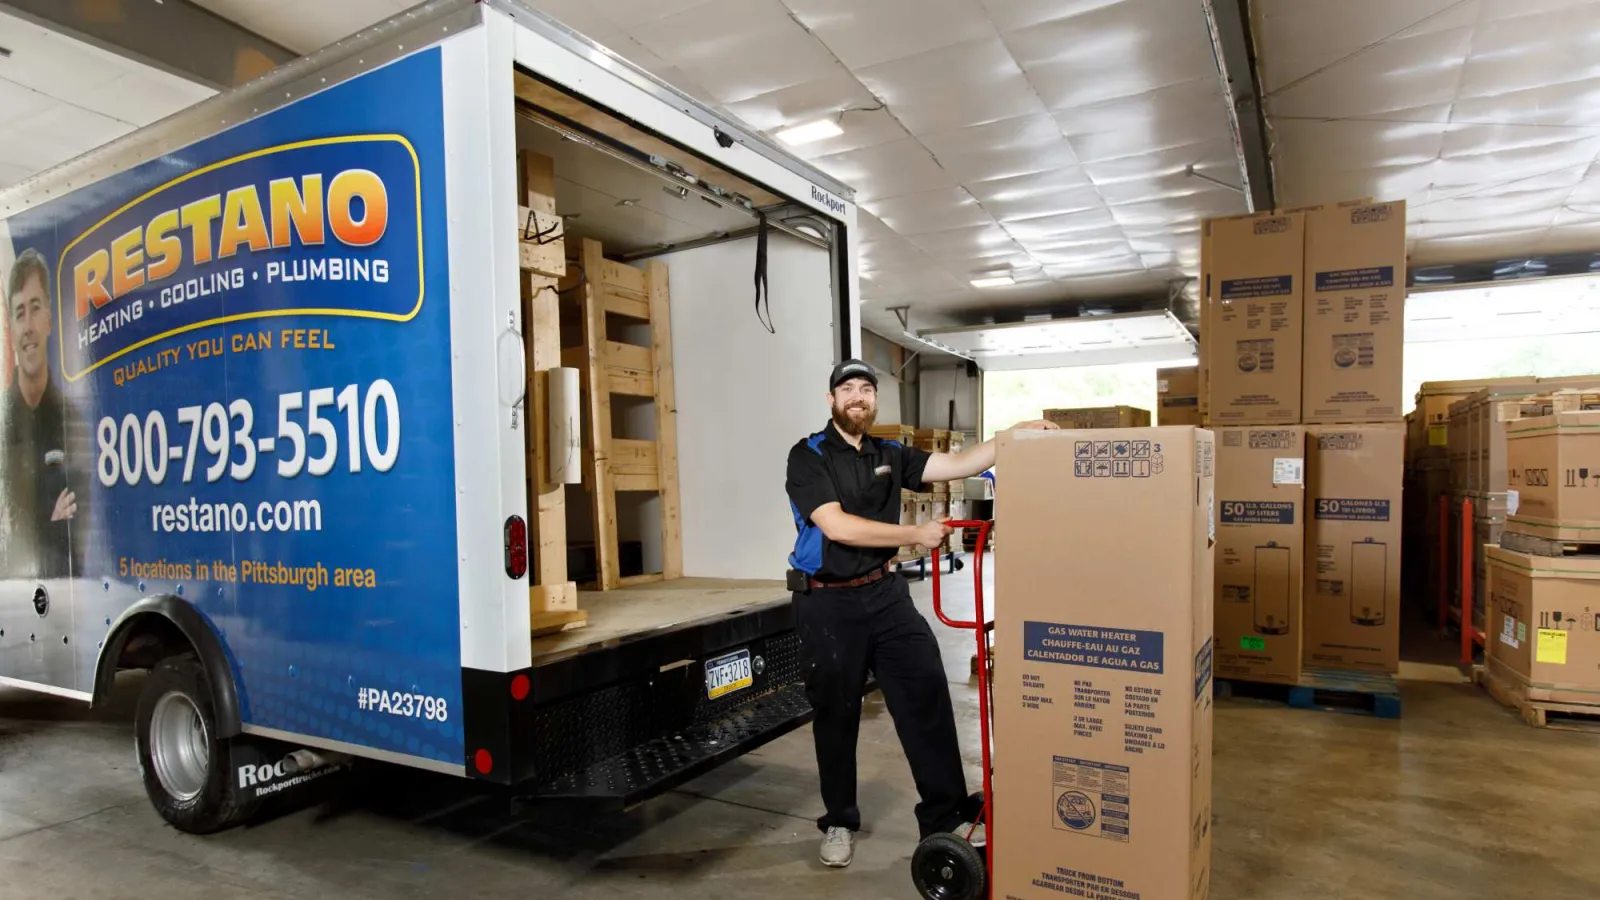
946 867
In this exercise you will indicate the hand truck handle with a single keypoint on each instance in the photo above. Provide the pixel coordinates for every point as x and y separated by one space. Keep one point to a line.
977 568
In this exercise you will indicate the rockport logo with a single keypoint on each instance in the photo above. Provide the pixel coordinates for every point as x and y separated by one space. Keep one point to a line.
830 202
269 778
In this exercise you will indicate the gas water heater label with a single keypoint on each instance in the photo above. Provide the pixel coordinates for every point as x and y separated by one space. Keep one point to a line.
1103 648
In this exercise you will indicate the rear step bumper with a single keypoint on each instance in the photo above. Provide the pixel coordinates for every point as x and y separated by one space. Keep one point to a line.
661 764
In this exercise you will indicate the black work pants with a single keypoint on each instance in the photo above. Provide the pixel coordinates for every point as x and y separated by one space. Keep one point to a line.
846 632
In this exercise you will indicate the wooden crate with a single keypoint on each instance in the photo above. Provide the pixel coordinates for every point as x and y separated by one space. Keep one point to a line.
933 440
1505 686
904 434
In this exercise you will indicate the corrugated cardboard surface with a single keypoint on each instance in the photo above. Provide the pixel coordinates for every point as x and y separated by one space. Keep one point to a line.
1103 666
1099 417
1355 474
1542 623
1206 306
1553 465
1257 316
1355 283
1178 396
1260 547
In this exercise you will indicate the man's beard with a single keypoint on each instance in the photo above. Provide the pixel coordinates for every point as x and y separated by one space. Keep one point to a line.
851 426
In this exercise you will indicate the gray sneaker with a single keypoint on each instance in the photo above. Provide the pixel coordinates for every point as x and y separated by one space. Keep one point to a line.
972 833
838 847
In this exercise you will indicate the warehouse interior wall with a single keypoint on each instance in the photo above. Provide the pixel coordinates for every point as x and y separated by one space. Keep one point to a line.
938 386
745 397
894 379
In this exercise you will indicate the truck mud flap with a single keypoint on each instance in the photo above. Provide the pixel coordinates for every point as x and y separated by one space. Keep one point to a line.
279 777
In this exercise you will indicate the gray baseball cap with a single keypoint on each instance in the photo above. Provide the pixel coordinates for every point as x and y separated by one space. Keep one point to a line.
851 368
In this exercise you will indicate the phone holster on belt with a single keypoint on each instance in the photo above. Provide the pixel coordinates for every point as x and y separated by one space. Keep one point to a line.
798 581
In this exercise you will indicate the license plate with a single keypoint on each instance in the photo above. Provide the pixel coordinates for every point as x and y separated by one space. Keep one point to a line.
727 674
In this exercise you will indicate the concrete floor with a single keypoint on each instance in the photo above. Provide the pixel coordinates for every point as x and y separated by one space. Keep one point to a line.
1457 800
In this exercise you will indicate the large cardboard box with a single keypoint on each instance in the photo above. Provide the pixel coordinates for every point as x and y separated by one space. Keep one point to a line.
1256 320
1260 546
1355 283
1178 396
1099 417
1553 466
1204 339
1354 477
1544 624
1103 666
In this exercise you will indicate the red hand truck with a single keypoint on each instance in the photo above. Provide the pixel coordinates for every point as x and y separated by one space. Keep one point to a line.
945 865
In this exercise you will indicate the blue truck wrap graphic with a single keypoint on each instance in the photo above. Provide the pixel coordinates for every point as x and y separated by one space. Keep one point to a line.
227 379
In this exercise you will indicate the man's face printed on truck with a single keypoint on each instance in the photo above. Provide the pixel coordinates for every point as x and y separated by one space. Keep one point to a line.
28 325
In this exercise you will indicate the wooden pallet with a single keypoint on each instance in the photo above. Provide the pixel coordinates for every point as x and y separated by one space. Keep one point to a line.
1579 717
1329 690
1534 545
609 368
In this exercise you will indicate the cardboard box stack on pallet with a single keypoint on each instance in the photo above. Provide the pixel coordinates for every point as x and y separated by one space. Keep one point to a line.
1463 457
1301 343
1542 641
942 501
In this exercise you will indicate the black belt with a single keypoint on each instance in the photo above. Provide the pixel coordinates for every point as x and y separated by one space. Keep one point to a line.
877 574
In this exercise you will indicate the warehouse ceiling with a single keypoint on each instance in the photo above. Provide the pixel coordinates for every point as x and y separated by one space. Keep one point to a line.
61 97
1051 139
1484 115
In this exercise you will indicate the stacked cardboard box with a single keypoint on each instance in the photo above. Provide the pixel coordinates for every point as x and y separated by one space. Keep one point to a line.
1103 694
1099 417
1178 396
1478 461
1543 623
1302 336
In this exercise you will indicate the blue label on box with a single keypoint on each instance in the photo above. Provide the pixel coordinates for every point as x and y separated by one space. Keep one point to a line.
1252 288
1257 512
1102 648
1336 509
1356 279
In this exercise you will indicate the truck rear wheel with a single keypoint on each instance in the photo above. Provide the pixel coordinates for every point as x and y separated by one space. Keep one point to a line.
183 763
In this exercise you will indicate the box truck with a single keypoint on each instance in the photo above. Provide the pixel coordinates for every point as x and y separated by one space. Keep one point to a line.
276 425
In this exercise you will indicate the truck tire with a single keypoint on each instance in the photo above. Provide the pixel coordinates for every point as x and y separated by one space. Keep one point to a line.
184 765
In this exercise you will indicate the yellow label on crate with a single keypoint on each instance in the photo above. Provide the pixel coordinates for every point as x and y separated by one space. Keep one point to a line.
1552 647
1438 435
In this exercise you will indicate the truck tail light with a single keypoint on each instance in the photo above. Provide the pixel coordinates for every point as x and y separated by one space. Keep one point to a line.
516 547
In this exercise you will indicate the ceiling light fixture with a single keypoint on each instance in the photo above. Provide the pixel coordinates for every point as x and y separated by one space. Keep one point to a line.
810 132
989 281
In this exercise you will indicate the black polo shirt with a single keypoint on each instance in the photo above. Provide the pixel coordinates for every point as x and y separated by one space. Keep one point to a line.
823 469
33 545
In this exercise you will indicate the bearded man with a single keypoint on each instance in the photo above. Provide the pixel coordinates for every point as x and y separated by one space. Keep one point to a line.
854 613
